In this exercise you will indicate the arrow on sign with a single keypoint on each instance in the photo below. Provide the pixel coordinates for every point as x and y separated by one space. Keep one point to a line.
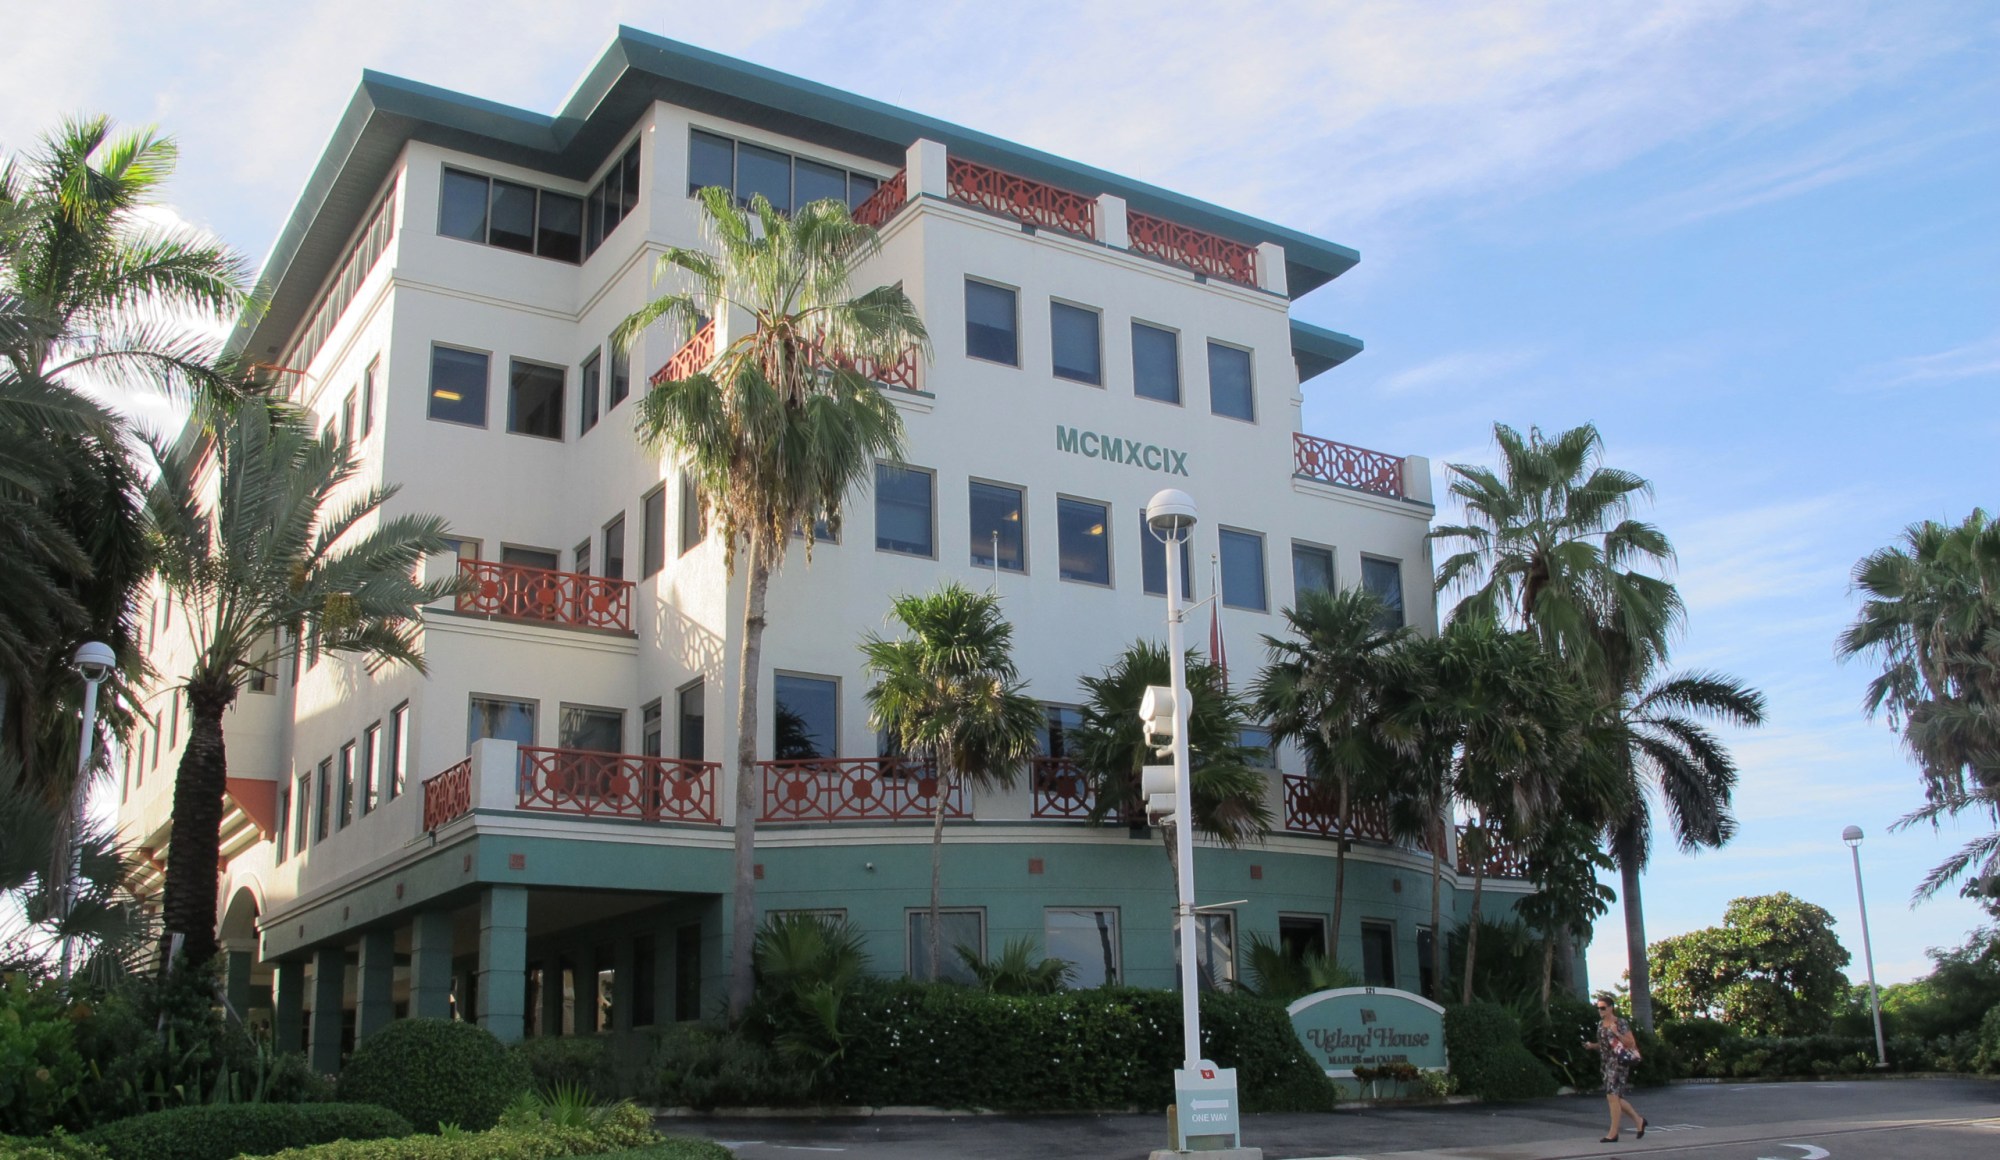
1812 1152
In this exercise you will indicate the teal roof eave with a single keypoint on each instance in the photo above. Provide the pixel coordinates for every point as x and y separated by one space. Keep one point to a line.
1318 350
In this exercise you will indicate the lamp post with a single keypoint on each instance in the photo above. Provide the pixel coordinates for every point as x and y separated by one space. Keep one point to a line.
1171 516
93 662
1852 836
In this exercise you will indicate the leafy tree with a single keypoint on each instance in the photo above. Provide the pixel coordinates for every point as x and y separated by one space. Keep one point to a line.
280 553
1964 984
1771 968
778 428
950 690
1563 863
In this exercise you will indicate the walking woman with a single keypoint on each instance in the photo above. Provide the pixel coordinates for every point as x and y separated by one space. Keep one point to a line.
1619 1052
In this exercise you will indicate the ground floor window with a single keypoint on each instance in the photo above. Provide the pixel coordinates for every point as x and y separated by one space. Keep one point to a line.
1087 939
1426 960
956 929
1301 935
1378 954
1214 950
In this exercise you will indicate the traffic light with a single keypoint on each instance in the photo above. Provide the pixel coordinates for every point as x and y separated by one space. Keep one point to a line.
1161 723
1157 783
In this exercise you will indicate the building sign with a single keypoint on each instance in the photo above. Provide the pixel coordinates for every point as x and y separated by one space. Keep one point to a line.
1354 1027
1118 449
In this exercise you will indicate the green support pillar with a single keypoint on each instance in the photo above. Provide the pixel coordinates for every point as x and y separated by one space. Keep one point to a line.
503 960
430 965
375 982
624 985
329 992
288 1006
236 979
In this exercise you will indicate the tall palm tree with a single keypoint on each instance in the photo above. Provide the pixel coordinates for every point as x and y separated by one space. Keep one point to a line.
777 428
950 689
281 552
1323 690
105 917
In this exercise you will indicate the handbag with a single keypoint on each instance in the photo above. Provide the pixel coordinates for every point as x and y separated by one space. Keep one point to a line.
1625 1054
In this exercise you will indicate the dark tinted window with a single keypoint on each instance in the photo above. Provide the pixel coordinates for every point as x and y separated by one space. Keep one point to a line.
1156 363
458 386
691 709
614 549
990 331
1229 382
621 375
588 385
513 223
996 511
812 182
462 206
535 399
711 161
653 532
694 521
502 719
1073 333
765 171
1083 540
805 718
1243 570
1153 563
1378 954
559 230
1312 570
860 187
1385 579
628 182
597 730
903 510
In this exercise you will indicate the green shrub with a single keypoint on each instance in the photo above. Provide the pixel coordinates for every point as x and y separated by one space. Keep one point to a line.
702 1067
621 1130
1484 1045
553 1061
221 1131
55 1147
1701 1044
40 1070
435 1071
1558 1036
1987 1059
1659 1062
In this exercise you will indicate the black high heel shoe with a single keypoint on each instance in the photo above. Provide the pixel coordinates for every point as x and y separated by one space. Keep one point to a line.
1607 1139
1641 1133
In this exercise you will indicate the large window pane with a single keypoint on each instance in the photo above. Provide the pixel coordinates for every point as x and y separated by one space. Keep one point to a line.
598 730
812 181
1077 342
903 510
458 386
1086 939
805 717
559 229
996 511
991 329
1243 570
1059 730
956 928
1312 570
694 520
1229 390
860 187
588 386
462 206
1378 954
513 223
1083 540
1153 563
1385 579
691 707
1156 363
765 171
628 182
534 399
711 161
497 717
653 531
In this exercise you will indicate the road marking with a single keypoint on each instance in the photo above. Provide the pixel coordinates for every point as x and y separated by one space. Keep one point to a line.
1812 1152
1673 1127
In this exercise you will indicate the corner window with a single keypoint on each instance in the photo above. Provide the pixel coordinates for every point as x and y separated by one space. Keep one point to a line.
1385 579
903 510
534 399
745 169
1156 363
1076 340
1153 563
956 928
1086 939
653 531
502 719
1083 540
805 717
1312 570
509 215
692 722
992 326
589 383
1229 391
458 386
998 527
1378 954
1243 570
611 200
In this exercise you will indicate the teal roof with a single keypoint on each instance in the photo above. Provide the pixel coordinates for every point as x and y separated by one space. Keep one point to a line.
1318 350
636 70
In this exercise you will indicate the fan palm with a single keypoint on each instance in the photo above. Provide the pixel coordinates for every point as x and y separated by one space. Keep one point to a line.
105 917
950 689
778 427
281 553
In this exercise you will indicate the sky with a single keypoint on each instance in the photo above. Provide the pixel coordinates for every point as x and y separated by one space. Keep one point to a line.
1756 242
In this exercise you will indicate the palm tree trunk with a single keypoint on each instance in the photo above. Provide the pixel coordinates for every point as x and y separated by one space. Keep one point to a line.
1635 946
743 915
937 858
194 857
1472 921
1438 943
1548 967
1340 871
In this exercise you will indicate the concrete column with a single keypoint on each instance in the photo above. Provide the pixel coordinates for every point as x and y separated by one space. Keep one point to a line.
925 164
329 991
430 965
1113 229
236 984
586 990
1417 478
503 960
624 985
496 775
288 1005
1271 267
375 981
552 994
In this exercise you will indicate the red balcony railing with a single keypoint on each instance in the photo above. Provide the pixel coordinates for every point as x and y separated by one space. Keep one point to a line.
1504 859
567 598
448 795
616 785
693 357
901 373
1060 789
885 202
1355 467
854 789
1198 250
1021 198
1314 808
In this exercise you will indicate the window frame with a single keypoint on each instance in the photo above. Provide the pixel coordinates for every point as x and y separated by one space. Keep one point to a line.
1299 916
1117 936
399 750
589 390
700 684
322 824
1204 947
535 227
370 787
534 715
917 957
803 675
1014 293
1250 386
1387 925
1021 509
1263 567
1180 371
930 475
1402 607
561 400
485 387
652 728
1110 556
693 514
653 532
1097 316
1332 568
605 555
566 707
302 811
347 755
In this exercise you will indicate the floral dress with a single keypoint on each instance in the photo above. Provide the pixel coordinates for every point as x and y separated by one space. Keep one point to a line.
1617 1065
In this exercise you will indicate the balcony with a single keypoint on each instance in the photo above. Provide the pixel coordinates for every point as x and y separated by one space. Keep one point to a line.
500 775
1060 790
854 789
1504 859
448 795
1311 808
1325 461
570 599
698 352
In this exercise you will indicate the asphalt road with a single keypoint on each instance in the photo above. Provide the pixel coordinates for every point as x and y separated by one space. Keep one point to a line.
1887 1119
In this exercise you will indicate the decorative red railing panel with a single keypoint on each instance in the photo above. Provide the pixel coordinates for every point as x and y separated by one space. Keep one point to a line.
567 598
617 785
1022 198
901 373
692 358
1060 789
1198 250
1312 808
854 789
1504 859
448 795
885 202
1355 467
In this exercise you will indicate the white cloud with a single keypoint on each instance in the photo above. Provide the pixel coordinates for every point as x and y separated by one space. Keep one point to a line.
1972 360
1457 370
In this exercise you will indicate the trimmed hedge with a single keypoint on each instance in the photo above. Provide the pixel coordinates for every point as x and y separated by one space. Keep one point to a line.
436 1071
222 1131
622 1129
1483 1042
554 1060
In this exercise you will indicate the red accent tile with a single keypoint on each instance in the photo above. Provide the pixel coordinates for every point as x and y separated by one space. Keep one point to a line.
759 871
1034 865
1256 873
517 861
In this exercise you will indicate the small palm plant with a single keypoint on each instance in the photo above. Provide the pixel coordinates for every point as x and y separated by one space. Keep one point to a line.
1017 970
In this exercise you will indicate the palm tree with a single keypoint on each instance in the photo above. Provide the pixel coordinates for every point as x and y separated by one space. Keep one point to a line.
778 428
105 917
281 553
950 689
1324 690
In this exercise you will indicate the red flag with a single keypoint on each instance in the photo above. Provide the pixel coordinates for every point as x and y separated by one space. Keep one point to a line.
1217 651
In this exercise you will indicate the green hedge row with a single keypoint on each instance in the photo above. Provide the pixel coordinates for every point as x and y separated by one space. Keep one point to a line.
223 1131
620 1130
1716 1050
1483 1042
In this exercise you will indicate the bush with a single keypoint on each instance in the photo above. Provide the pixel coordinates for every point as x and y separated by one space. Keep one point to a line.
222 1131
621 1130
555 1060
1659 1061
56 1147
436 1071
1987 1060
1701 1044
40 1070
701 1067
1557 1037
1484 1045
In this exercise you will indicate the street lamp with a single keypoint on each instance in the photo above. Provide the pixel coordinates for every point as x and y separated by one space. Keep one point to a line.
94 662
1852 836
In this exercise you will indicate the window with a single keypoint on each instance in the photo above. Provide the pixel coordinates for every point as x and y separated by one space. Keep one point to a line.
1300 935
1312 570
711 161
692 725
284 811
324 825
806 720
511 225
501 719
588 382
1426 960
1076 342
1243 570
371 768
263 674
653 531
788 181
521 557
1378 954
1086 939
903 510
1060 723
611 200
956 928
534 399
1261 753
1229 390
991 328
1082 540
694 516
346 785
1153 563
1214 949
350 409
764 171
510 215
399 748
368 378
559 227
1156 363
614 548
621 375
1385 579
998 534
585 727
580 558
458 386
649 732
462 206
302 811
